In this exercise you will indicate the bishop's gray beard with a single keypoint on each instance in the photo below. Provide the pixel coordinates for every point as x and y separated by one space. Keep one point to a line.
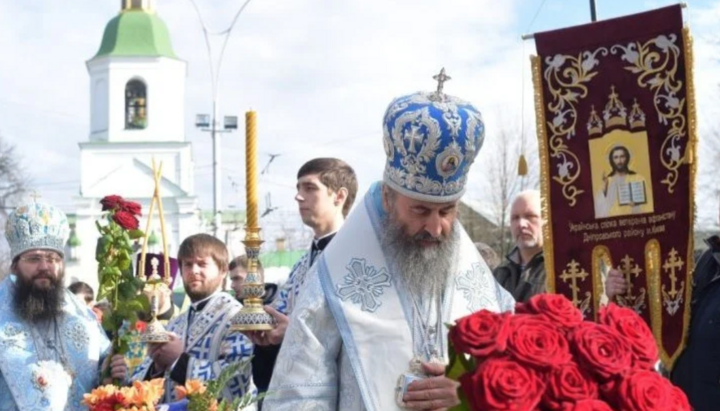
423 270
36 304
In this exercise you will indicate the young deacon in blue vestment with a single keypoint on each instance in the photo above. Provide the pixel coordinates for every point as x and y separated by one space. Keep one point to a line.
326 190
202 343
51 344
367 331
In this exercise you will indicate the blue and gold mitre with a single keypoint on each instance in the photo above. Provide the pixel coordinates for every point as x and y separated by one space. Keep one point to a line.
431 140
37 225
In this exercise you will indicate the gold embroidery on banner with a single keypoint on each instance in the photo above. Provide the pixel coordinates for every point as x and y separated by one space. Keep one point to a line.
673 297
546 212
601 264
566 77
669 359
629 299
653 281
656 63
571 276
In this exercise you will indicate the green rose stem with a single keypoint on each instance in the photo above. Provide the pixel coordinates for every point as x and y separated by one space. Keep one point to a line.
117 282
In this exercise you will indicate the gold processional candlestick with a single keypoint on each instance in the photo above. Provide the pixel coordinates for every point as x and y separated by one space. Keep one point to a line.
252 317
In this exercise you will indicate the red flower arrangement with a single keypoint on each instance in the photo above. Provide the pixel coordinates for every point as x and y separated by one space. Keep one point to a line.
125 213
546 358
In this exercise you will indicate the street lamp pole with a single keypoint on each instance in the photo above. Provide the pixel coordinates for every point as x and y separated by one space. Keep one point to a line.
202 119
217 182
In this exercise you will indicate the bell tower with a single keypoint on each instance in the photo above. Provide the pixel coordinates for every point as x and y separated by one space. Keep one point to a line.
137 83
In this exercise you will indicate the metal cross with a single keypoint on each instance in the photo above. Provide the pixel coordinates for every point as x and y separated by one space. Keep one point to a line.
671 264
441 79
572 275
35 196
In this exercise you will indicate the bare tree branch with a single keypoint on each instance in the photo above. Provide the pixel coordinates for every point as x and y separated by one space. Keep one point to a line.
14 183
505 182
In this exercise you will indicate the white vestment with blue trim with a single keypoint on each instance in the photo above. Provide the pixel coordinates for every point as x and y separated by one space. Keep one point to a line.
285 302
350 336
211 346
29 384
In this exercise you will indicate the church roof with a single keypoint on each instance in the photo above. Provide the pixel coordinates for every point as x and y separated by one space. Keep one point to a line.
136 32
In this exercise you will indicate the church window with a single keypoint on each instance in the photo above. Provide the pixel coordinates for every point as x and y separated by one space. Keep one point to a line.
135 105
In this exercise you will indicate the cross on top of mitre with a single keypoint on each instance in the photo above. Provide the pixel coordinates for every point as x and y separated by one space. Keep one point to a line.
441 78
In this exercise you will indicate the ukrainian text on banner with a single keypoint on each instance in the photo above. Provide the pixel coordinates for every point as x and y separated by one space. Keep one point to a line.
615 113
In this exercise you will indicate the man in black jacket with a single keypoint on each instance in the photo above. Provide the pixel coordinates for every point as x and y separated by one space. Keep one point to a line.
523 272
697 370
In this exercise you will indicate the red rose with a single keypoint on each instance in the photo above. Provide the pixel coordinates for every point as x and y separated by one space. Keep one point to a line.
568 384
537 343
131 207
140 326
588 405
635 331
609 389
111 202
680 400
480 334
647 390
600 350
126 220
502 384
558 309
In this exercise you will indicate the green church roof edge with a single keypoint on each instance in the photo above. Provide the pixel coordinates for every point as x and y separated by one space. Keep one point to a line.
136 33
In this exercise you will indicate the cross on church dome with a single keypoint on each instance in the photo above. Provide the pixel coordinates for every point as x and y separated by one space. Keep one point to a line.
145 5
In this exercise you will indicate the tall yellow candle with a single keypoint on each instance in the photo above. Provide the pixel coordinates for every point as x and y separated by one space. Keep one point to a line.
251 168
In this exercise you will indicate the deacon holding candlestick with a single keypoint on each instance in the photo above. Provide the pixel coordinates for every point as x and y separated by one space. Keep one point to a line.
252 317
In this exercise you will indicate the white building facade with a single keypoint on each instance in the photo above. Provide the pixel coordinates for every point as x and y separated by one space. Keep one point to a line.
137 106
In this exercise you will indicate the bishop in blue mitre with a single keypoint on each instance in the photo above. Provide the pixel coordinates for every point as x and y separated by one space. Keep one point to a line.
368 332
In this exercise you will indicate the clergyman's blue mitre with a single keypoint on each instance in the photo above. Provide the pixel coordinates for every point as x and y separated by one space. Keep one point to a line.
431 140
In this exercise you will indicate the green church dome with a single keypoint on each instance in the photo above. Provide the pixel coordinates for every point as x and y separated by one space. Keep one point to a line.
136 32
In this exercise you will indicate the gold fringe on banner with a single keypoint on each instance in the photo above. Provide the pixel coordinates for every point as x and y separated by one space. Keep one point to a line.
691 160
548 248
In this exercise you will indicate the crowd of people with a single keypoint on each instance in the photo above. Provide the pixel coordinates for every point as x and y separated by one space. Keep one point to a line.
360 320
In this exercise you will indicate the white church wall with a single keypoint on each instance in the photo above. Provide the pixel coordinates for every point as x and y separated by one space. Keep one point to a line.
99 107
165 82
116 165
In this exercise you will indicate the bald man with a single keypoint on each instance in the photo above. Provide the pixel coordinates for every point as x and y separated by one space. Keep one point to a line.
523 271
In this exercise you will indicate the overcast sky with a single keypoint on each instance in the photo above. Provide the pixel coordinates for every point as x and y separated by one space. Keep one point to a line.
319 73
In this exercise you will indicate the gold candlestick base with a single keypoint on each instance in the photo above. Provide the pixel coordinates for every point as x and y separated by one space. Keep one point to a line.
252 317
155 333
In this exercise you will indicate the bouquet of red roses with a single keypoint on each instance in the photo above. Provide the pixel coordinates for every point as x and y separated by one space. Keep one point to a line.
546 358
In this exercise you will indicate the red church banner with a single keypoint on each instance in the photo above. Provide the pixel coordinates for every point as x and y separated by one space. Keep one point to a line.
616 129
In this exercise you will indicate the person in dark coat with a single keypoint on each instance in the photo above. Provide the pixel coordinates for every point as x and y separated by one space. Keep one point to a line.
523 271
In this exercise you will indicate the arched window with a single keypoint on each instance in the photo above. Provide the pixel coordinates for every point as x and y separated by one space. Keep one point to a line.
135 105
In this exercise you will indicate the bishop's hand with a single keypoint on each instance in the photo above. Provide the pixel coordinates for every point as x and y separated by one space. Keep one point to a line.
118 368
164 355
615 284
435 393
274 336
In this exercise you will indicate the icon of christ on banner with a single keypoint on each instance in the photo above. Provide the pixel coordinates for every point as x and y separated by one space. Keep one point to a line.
623 190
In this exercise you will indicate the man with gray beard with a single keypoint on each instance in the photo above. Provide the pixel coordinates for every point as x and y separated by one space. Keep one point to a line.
51 345
368 333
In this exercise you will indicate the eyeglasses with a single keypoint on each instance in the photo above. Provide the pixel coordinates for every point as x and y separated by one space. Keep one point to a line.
36 259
